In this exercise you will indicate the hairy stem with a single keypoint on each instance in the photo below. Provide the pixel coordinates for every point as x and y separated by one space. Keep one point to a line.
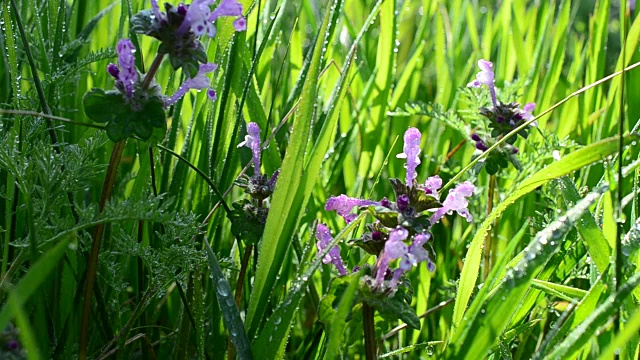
92 265
152 70
369 329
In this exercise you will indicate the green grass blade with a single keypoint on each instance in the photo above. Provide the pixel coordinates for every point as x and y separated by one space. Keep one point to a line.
275 240
592 235
38 273
480 333
584 332
572 162
228 306
272 339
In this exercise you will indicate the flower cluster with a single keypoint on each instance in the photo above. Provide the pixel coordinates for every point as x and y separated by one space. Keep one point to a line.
402 228
136 106
503 118
249 216
179 27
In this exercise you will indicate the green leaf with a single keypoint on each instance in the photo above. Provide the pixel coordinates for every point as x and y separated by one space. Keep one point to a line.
343 312
101 106
249 230
391 308
572 162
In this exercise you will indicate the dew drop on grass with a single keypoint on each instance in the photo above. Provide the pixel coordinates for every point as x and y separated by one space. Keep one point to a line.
223 287
430 350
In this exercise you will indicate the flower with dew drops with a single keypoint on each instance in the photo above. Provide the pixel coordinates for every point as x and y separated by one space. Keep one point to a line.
200 81
324 239
412 153
432 185
486 77
456 201
394 248
252 141
125 72
343 205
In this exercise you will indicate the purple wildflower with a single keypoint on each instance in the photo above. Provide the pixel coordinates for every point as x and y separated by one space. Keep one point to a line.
432 185
480 145
324 239
416 253
343 205
200 18
252 141
475 137
411 152
200 81
486 77
527 113
394 248
402 202
631 5
126 74
113 70
456 201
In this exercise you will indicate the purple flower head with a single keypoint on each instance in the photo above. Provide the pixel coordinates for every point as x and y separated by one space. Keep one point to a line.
385 202
394 248
182 9
432 185
200 18
252 141
127 73
486 77
411 152
324 239
403 202
113 70
480 145
416 253
475 137
200 81
527 113
343 205
456 201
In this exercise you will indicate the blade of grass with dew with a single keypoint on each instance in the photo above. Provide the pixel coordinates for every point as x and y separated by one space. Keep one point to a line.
592 235
272 339
479 333
228 307
275 241
572 162
584 332
565 292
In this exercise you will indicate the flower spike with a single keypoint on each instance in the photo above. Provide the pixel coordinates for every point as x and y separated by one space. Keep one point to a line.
486 77
252 141
343 205
411 152
126 73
